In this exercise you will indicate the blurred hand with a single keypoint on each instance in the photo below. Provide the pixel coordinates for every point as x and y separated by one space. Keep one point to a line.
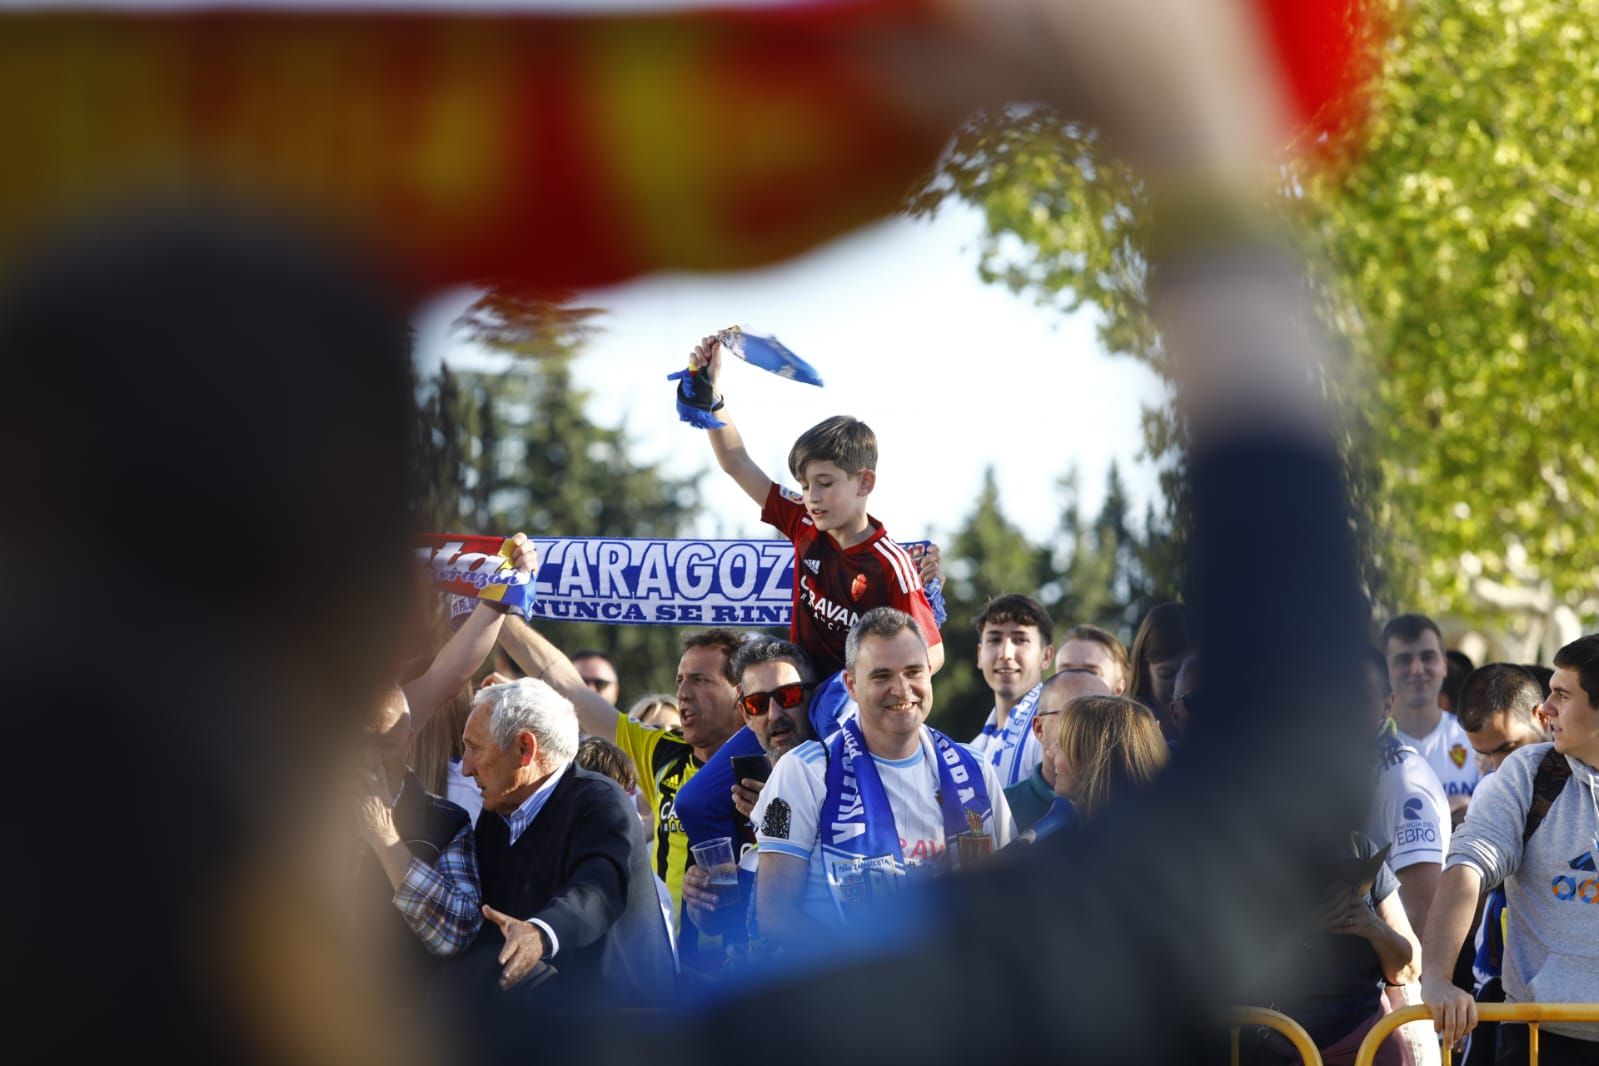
1180 88
374 817
931 567
1347 913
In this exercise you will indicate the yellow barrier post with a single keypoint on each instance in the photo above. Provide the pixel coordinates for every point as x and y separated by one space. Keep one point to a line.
1530 1013
1271 1019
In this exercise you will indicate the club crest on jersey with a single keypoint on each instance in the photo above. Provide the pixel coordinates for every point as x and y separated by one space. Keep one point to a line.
857 588
1457 755
814 565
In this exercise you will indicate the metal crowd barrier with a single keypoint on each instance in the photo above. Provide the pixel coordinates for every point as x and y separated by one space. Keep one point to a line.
1270 1019
1530 1013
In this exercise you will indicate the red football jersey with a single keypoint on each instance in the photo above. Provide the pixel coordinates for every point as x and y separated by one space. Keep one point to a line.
834 586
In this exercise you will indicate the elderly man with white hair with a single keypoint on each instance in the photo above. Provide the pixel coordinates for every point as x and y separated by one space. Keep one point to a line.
562 865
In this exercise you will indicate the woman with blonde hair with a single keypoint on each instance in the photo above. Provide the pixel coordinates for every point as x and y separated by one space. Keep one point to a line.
1107 747
658 709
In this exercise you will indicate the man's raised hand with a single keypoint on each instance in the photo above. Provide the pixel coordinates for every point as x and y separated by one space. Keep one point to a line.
524 554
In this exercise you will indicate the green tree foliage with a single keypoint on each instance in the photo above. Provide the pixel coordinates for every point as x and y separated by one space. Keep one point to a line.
517 450
1460 274
1464 251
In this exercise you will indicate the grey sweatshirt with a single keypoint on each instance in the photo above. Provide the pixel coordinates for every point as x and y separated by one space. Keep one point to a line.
1551 887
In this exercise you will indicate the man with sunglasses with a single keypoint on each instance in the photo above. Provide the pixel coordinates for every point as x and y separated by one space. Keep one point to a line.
776 680
598 673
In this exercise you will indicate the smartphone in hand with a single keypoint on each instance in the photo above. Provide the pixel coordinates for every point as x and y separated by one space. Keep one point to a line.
754 767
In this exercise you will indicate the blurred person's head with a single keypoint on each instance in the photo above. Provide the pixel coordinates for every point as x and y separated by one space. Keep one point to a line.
219 410
658 709
438 742
1498 708
603 757
1092 650
1457 665
1059 691
1374 674
1015 639
598 674
887 673
776 680
707 690
1414 647
388 731
1572 709
1108 747
505 666
517 735
1163 638
1188 699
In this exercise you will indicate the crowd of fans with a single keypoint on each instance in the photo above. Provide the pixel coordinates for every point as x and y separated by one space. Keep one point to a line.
792 792
1084 850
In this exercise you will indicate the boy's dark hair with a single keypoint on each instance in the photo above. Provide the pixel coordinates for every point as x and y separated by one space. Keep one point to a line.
771 650
602 757
846 442
1104 637
1409 627
1019 610
726 639
1582 655
1498 688
1378 663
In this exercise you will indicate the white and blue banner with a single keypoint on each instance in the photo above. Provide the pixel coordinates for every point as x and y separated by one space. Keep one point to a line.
638 581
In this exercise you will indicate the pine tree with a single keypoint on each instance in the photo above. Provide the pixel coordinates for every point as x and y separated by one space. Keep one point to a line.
517 451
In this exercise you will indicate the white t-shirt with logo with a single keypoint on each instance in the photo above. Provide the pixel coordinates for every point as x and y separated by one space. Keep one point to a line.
1448 751
786 816
1409 811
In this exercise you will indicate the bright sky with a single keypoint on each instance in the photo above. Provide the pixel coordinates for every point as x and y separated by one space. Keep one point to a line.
951 373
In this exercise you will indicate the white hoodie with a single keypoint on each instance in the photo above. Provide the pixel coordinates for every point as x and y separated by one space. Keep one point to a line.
1551 886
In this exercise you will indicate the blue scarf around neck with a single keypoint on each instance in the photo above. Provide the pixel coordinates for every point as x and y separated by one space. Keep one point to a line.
860 839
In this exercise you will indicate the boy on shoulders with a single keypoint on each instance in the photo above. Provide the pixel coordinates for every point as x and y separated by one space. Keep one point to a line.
844 561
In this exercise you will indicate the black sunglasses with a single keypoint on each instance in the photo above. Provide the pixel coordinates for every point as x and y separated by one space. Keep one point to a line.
787 696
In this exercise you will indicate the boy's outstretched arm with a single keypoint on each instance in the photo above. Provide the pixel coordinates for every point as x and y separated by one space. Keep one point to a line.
726 442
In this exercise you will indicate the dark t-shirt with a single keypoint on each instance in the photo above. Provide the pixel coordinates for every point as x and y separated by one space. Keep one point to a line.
1342 976
834 586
